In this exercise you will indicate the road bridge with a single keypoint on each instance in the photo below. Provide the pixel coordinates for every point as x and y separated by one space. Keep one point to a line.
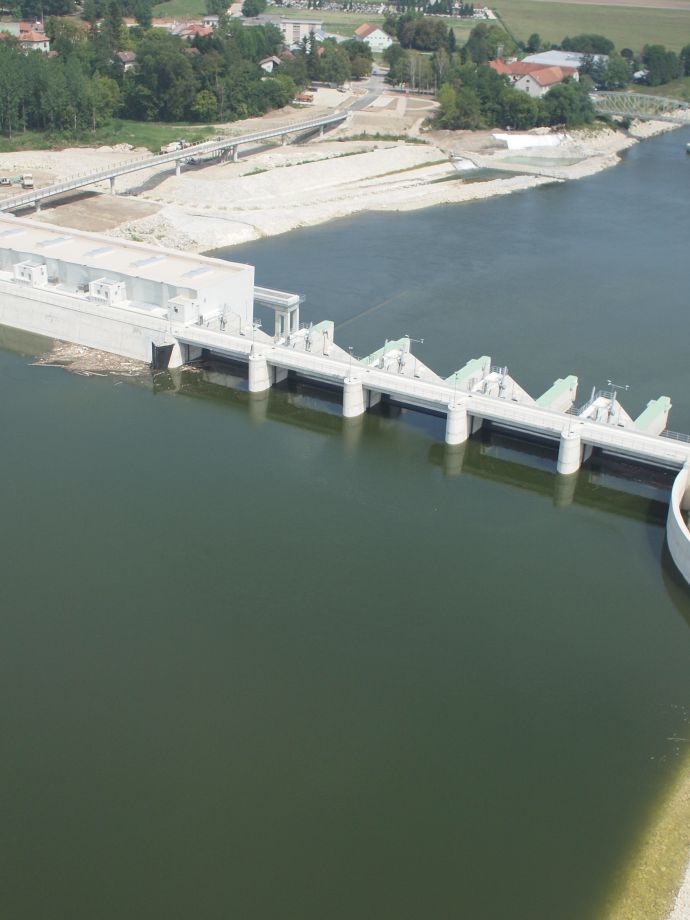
227 146
642 106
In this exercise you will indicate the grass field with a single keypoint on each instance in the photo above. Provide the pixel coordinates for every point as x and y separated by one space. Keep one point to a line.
184 9
138 133
626 27
343 23
679 89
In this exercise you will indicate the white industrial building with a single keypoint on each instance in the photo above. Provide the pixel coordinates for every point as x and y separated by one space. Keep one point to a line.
115 295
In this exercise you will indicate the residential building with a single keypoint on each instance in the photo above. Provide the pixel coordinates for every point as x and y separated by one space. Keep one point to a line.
534 79
374 36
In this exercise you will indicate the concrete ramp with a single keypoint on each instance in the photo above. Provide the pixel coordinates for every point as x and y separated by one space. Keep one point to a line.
501 385
472 372
561 396
654 419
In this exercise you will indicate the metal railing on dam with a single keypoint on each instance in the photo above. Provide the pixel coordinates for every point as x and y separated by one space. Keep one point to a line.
204 149
395 373
410 383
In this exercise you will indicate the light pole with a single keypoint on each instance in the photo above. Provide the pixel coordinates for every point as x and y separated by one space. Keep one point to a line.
614 396
350 348
256 324
420 342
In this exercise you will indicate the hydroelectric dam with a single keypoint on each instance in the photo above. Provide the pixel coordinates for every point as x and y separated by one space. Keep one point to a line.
169 308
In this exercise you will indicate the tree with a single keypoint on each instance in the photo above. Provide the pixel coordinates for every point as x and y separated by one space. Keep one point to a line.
164 69
568 104
662 65
104 94
360 67
398 62
588 44
533 45
685 60
252 8
334 64
487 42
205 107
616 73
468 111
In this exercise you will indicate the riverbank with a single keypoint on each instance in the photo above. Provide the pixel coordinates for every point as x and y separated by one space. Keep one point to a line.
383 159
657 884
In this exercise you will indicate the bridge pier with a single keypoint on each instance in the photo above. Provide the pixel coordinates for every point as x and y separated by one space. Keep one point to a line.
284 140
457 423
321 131
571 453
353 398
259 374
178 167
235 154
112 185
37 205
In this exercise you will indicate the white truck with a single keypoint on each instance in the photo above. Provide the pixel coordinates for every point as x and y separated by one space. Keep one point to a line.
27 180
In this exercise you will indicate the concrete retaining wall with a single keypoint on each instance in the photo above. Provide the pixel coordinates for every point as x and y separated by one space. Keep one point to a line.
120 331
677 534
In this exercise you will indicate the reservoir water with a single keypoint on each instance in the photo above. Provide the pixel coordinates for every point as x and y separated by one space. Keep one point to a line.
259 664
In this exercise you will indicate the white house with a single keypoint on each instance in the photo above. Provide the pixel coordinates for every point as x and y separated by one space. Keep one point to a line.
540 80
269 64
374 36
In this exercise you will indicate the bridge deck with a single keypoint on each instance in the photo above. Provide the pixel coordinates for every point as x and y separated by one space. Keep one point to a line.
206 148
337 366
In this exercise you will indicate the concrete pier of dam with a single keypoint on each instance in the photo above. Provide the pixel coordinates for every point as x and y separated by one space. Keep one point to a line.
169 308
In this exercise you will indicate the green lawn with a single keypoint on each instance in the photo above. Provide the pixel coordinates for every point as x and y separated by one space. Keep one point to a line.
625 26
340 22
678 89
183 9
138 133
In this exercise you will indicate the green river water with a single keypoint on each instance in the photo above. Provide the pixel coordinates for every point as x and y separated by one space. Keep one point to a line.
259 664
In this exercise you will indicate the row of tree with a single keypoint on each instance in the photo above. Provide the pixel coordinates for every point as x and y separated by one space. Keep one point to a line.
215 78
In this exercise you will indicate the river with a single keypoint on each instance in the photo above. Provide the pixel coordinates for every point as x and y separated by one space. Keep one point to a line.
257 664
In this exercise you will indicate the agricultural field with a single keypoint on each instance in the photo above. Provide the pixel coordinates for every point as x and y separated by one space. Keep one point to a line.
626 26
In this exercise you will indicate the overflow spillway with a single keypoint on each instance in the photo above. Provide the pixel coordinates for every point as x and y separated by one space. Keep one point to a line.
169 308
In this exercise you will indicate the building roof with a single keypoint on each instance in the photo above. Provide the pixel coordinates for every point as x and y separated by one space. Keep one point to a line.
126 57
525 68
366 29
563 58
139 260
32 37
547 76
269 59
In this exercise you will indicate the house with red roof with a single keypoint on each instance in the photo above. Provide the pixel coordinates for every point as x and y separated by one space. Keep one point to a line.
374 36
534 79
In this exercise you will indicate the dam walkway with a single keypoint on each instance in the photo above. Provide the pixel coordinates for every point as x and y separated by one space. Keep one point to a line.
476 393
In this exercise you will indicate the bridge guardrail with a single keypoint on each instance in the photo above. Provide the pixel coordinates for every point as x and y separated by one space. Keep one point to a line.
135 165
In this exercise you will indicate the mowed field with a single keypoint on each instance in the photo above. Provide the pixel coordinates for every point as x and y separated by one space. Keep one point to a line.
627 26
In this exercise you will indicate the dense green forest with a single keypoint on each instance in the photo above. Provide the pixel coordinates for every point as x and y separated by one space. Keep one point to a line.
212 78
